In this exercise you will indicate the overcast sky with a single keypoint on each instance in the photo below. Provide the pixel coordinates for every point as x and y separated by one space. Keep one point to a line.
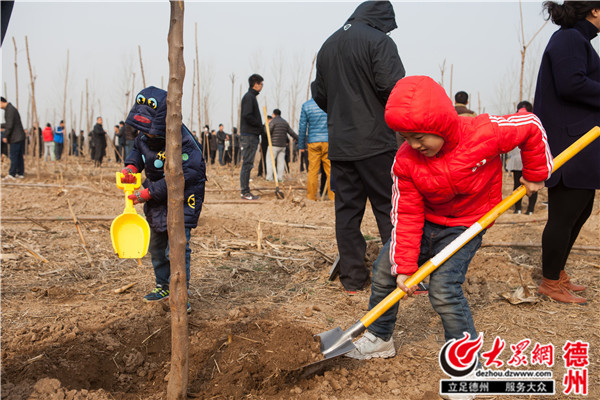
479 42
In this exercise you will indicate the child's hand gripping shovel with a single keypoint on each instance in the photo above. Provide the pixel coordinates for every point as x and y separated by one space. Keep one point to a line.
130 232
337 342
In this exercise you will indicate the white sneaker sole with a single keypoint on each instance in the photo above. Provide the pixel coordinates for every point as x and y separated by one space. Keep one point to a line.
382 354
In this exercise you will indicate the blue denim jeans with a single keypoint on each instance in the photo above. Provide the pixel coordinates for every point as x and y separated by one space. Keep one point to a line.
17 163
128 148
220 149
159 252
249 144
445 291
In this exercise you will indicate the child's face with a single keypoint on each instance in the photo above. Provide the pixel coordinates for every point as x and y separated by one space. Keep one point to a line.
425 143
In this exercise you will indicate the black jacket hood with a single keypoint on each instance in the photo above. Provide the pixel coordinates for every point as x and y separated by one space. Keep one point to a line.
378 14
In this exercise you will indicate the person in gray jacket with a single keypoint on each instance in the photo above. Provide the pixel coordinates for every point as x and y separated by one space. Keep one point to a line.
14 135
279 128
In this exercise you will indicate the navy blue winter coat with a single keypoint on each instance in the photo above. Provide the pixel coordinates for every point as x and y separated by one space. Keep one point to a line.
148 115
567 101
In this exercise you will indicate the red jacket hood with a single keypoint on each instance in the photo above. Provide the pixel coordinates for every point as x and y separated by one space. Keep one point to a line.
419 104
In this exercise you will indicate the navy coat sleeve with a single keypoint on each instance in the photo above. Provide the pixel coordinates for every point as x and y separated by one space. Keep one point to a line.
570 70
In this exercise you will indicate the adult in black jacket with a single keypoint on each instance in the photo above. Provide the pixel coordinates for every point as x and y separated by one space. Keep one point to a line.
14 135
212 144
357 68
221 136
236 146
122 140
98 140
567 101
251 128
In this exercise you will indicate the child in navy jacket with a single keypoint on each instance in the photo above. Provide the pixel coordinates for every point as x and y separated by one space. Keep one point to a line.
148 116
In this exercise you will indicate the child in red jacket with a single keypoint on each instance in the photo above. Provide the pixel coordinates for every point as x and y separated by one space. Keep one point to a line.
447 175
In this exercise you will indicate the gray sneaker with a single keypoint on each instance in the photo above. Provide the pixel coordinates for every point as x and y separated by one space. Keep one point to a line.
249 196
370 346
20 176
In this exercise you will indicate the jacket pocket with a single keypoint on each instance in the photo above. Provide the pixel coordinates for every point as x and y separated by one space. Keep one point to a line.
581 127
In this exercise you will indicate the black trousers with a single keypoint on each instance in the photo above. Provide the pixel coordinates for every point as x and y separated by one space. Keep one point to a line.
532 199
355 181
568 209
304 161
264 148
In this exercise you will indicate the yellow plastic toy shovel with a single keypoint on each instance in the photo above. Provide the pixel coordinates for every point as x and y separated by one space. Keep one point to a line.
130 232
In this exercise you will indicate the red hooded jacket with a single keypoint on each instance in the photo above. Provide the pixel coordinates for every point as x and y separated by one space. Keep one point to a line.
47 134
464 180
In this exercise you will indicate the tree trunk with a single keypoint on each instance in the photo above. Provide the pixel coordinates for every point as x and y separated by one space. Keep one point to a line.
66 141
16 76
87 112
232 143
33 106
178 376
193 96
312 65
200 133
142 65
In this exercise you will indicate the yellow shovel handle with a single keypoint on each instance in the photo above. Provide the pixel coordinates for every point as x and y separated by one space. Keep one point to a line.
129 188
473 230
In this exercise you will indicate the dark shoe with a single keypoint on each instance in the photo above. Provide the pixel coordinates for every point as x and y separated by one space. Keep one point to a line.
517 212
529 213
250 196
554 290
157 294
352 292
566 282
189 307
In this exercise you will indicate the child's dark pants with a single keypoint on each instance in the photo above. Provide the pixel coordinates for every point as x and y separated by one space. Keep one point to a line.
159 252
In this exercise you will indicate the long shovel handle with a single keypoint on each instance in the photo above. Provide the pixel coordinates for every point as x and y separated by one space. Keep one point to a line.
473 230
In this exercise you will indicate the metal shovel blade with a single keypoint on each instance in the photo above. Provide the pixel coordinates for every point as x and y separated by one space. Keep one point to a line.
279 194
334 271
333 344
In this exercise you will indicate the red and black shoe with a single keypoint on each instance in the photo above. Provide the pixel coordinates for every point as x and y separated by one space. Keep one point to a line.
422 288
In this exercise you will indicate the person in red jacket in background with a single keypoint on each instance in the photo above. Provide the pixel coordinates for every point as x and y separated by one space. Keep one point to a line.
447 175
48 136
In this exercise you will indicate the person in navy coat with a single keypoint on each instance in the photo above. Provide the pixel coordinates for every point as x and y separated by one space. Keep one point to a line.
567 101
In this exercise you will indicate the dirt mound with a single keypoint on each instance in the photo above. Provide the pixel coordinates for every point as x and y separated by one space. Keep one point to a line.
255 358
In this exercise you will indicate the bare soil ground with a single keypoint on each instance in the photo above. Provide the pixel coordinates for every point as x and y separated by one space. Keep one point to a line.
67 335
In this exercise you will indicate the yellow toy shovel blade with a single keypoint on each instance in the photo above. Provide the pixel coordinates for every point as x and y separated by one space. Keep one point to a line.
130 232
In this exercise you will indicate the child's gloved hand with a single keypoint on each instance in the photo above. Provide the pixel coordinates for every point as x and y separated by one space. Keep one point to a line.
128 172
140 196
